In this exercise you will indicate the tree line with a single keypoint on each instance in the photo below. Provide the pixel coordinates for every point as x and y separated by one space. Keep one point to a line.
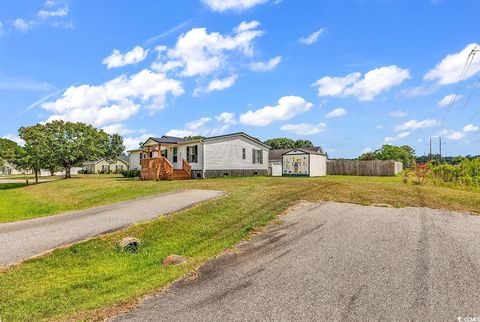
60 145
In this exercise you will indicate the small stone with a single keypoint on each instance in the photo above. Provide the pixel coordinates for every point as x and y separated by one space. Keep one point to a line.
130 244
173 260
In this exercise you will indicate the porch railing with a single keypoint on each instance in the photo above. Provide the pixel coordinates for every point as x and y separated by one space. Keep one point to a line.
156 168
187 167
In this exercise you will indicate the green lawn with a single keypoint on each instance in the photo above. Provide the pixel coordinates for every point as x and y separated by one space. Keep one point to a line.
87 280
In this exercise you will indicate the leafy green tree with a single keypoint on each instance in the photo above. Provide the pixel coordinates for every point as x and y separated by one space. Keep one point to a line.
368 156
74 143
404 154
286 143
35 154
303 144
66 144
9 151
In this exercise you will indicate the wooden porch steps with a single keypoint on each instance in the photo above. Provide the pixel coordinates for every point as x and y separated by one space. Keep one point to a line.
180 174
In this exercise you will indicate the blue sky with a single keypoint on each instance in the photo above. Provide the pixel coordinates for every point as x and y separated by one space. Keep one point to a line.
347 75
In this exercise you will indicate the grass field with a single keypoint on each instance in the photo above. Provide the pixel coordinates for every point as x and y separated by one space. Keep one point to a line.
87 280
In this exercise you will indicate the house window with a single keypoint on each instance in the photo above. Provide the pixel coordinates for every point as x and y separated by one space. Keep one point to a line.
151 154
192 154
244 153
119 167
257 156
106 167
164 153
175 152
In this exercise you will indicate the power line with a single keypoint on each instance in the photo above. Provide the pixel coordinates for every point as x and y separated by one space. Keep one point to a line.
475 86
464 73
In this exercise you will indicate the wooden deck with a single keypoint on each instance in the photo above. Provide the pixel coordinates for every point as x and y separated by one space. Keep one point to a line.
162 169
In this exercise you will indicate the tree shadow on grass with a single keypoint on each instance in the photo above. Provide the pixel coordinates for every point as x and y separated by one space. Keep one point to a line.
7 186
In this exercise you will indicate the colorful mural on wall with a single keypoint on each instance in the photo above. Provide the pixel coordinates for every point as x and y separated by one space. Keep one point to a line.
295 165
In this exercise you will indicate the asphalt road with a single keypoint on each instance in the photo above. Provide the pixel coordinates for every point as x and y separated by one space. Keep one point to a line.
337 262
31 181
28 238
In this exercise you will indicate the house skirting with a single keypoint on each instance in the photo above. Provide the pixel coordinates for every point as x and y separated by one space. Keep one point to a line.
233 173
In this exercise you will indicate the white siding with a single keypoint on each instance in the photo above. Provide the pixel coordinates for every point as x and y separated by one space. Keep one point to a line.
225 153
276 170
182 154
318 165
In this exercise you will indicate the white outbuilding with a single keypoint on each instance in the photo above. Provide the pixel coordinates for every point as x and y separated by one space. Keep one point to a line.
304 163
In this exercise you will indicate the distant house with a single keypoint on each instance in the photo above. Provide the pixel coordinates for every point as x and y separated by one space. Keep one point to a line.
167 157
11 169
104 166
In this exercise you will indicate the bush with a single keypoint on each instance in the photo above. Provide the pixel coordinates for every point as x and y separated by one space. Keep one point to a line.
465 173
131 173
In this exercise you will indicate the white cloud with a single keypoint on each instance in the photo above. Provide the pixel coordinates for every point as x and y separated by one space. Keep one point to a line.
200 126
115 100
373 83
236 5
470 128
117 128
60 12
181 133
418 91
226 117
199 53
448 71
287 107
14 138
2 31
399 136
49 3
247 25
398 113
416 125
455 136
117 59
265 66
447 99
22 84
133 142
22 25
366 150
312 38
304 129
217 85
336 112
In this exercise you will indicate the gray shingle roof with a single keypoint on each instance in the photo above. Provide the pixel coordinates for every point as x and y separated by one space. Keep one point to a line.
168 139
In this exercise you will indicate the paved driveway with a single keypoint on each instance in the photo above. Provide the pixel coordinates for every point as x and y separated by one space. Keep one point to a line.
337 262
24 239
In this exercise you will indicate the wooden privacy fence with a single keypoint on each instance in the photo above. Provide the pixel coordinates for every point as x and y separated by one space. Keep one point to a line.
364 168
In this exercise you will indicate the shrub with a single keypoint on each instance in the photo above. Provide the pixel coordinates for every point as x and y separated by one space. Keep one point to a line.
131 173
421 171
465 173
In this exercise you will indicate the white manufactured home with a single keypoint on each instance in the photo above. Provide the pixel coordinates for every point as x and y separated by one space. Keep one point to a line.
167 157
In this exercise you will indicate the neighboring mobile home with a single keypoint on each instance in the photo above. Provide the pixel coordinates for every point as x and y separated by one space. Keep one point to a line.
11 169
168 157
104 166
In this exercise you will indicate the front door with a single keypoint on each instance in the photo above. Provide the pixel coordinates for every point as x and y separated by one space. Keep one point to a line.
175 155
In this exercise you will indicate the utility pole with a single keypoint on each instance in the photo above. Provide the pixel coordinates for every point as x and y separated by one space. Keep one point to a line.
440 144
430 155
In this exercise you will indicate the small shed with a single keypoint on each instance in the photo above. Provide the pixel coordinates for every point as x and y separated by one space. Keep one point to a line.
302 162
